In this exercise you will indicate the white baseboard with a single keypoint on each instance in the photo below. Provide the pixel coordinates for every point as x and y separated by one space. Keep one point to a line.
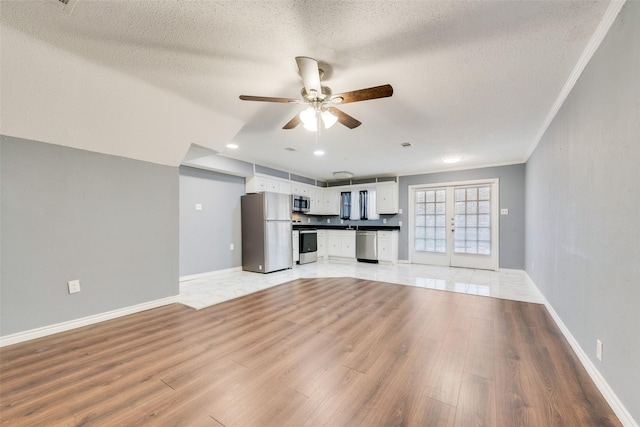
85 321
616 405
209 274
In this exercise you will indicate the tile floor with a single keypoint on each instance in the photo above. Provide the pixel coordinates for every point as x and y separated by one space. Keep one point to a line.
223 286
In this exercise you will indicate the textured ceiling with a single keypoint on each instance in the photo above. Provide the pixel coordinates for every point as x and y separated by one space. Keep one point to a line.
476 79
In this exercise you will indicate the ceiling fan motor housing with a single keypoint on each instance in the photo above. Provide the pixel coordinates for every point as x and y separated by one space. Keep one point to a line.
313 96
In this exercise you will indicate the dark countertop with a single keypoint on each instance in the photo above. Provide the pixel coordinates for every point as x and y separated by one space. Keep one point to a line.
297 226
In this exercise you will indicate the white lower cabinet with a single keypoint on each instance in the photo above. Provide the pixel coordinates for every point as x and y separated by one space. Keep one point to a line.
322 244
388 246
341 243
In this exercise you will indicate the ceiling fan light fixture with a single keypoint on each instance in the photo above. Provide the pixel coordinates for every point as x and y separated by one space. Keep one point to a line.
328 119
310 126
308 116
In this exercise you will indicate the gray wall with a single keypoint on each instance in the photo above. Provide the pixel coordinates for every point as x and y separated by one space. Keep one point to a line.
205 235
583 209
512 187
71 214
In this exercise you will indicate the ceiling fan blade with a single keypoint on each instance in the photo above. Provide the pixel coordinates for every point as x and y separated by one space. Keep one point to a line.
295 121
310 74
344 118
376 92
268 99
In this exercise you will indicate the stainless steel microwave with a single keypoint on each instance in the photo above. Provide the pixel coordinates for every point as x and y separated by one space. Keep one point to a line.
300 203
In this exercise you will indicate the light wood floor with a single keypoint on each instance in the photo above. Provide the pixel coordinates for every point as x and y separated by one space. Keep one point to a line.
312 352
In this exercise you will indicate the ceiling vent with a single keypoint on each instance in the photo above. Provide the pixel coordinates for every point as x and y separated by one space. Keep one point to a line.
406 145
64 6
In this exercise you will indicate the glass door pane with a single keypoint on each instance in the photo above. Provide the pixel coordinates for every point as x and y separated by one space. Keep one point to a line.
430 221
472 222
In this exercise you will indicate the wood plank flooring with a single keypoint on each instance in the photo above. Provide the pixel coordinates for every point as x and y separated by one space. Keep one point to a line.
312 352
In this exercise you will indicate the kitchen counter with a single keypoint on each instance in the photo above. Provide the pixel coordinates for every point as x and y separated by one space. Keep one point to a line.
345 227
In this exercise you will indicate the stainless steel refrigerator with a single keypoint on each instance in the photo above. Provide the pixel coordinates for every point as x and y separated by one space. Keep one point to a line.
266 232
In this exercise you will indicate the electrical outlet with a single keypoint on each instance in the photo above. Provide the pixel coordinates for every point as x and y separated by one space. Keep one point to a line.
328 221
599 348
198 206
399 223
231 246
384 220
74 286
308 220
504 211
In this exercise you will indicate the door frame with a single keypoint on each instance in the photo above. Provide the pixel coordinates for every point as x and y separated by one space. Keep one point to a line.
495 206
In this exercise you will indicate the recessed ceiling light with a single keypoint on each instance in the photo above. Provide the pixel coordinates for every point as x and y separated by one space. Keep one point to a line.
451 159
232 146
318 153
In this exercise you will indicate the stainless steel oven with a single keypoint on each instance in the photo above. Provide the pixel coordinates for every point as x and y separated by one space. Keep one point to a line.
308 246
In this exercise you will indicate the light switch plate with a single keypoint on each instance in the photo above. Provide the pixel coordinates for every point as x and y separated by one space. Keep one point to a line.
74 286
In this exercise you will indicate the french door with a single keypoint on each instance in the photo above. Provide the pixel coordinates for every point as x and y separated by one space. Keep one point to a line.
454 224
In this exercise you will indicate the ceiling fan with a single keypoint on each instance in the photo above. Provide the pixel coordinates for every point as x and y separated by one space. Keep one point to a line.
321 111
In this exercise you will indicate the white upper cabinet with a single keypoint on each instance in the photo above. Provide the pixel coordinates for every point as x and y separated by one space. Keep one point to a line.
382 198
300 189
331 201
387 198
258 183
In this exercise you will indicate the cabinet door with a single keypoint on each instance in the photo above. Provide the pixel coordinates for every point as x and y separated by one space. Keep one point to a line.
387 198
388 246
261 184
331 202
284 188
272 185
322 244
334 245
348 244
316 203
384 249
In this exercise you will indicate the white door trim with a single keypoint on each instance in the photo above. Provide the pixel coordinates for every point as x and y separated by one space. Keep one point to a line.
495 205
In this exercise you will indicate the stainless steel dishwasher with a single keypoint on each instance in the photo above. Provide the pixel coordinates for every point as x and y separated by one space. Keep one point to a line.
367 246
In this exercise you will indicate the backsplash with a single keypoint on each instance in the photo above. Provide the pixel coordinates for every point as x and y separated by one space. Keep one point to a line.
304 219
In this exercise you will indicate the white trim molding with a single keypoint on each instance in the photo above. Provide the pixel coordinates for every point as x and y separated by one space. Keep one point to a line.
610 396
85 321
605 24
209 274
